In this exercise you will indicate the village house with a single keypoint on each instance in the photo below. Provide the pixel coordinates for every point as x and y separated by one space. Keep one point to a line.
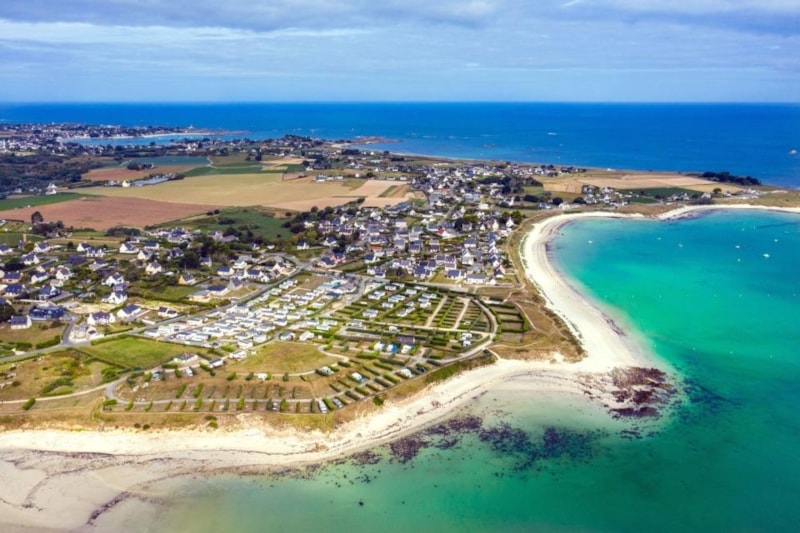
167 312
153 268
186 279
130 312
114 280
116 298
48 292
128 248
100 318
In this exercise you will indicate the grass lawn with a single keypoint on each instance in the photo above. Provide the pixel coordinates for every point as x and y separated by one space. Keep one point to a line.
279 357
163 291
135 352
255 219
24 201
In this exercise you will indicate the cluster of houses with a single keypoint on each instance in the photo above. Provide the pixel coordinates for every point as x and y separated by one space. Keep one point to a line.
59 274
398 299
285 307
460 243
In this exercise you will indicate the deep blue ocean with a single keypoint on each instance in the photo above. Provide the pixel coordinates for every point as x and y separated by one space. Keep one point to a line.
745 139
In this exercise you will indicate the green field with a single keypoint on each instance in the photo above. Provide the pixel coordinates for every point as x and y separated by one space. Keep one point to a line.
135 352
650 196
169 160
662 191
25 201
245 167
255 219
12 238
162 290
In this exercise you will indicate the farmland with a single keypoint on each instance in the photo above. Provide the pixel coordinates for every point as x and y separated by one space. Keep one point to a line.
623 181
263 189
122 173
34 201
101 213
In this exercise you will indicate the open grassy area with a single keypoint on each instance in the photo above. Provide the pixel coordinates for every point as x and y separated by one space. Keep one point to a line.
279 357
260 221
244 168
37 333
24 201
12 238
162 289
54 374
135 352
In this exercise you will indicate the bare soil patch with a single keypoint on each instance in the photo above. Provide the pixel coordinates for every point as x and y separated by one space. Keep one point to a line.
102 213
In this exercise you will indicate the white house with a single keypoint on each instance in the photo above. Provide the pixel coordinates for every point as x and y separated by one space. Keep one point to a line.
153 268
20 322
100 318
128 248
116 298
130 312
113 280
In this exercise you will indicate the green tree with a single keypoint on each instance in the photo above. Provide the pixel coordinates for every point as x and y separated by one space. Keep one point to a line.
6 312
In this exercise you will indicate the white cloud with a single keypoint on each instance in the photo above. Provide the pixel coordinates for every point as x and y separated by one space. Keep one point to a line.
260 16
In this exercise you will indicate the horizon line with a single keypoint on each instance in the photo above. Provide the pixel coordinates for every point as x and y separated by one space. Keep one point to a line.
397 102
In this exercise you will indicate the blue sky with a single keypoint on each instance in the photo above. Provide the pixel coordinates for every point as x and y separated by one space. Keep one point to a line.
392 50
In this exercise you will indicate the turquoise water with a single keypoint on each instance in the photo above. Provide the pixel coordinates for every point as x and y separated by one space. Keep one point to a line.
709 301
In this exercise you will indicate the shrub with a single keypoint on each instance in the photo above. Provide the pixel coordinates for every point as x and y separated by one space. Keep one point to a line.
28 404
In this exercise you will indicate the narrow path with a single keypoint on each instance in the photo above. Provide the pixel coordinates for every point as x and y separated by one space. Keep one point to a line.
465 306
436 311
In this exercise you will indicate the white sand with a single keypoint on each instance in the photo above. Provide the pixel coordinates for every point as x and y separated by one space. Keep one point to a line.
606 346
40 486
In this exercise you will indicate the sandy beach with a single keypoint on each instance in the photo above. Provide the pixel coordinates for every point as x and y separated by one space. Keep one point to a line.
42 467
116 469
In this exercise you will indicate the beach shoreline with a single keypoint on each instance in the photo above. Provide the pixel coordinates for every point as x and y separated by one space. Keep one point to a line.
42 466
